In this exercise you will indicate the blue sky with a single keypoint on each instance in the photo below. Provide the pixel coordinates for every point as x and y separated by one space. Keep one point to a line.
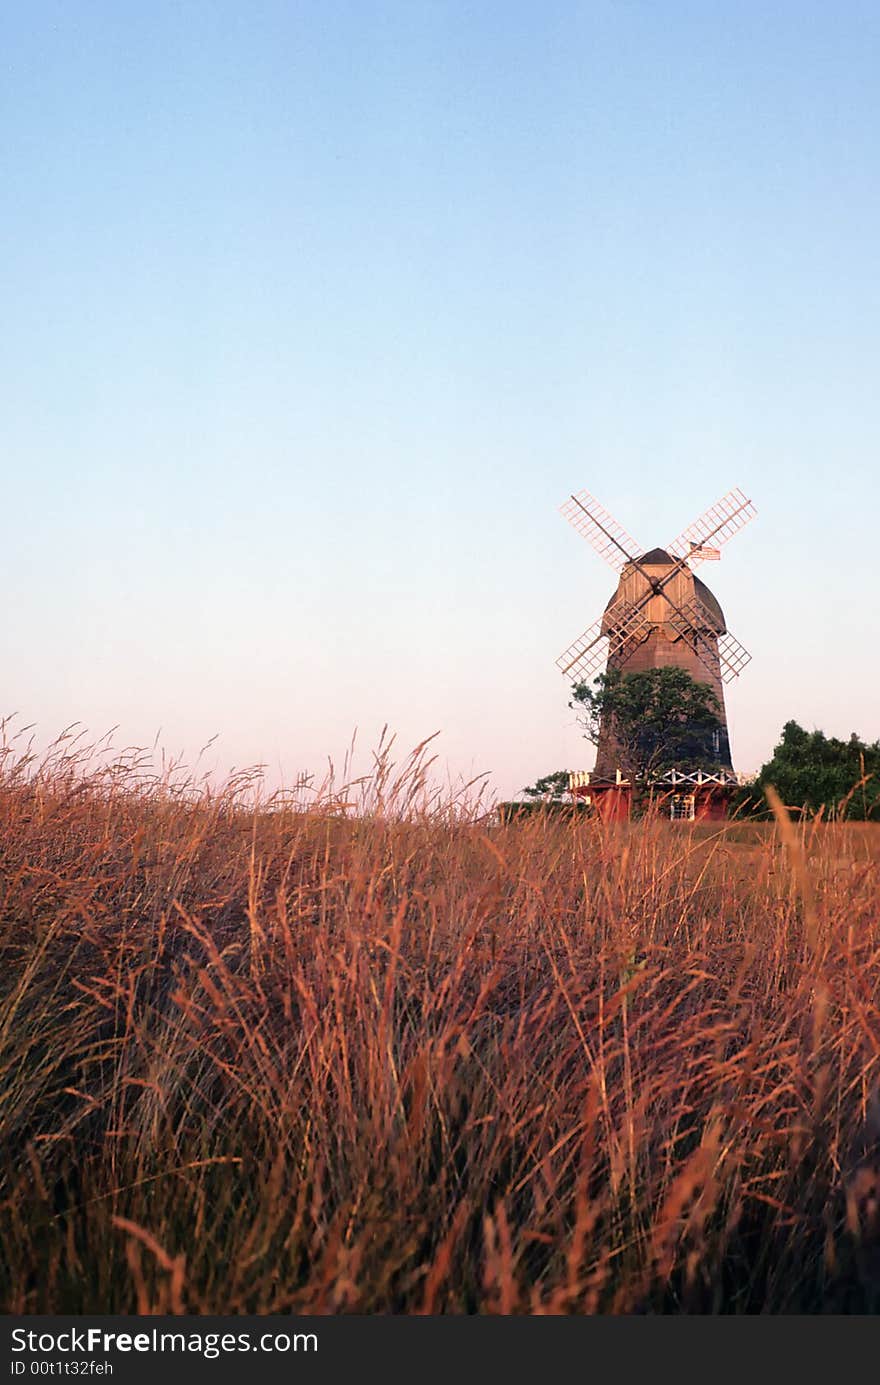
314 314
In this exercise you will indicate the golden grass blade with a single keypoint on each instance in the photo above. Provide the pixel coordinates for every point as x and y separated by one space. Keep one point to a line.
795 849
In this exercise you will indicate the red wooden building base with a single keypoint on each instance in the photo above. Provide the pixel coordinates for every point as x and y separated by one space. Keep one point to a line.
682 797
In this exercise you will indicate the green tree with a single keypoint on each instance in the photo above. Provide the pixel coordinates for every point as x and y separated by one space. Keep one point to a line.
811 770
659 719
550 787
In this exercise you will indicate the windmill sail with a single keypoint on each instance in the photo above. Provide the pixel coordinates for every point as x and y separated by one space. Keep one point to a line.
607 640
720 652
599 528
711 531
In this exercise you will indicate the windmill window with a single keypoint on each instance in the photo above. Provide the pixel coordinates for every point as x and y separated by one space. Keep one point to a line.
681 807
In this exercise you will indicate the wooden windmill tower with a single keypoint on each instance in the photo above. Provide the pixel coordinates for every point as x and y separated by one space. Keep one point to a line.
660 616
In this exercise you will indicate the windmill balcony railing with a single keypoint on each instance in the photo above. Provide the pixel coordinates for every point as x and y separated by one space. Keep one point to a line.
578 780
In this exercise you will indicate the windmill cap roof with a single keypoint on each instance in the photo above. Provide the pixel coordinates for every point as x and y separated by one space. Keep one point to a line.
657 557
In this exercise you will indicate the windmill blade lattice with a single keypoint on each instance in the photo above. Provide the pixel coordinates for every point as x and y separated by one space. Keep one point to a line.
693 616
694 624
583 659
719 523
733 657
720 652
625 626
599 528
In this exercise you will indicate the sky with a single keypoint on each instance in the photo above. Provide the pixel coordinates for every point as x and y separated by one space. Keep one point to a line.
314 313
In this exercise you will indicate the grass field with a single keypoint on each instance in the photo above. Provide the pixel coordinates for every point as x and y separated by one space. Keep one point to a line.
406 1059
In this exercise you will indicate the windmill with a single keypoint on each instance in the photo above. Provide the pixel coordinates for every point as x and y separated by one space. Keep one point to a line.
661 614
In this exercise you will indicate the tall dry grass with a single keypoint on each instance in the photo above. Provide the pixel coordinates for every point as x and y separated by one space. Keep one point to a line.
272 1058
